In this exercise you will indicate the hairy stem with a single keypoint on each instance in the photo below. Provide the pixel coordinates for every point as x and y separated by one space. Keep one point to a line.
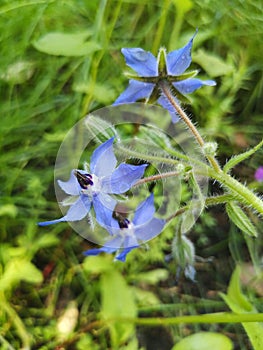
238 190
156 177
167 92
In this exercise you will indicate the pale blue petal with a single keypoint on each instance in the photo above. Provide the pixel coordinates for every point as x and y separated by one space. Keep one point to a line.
179 60
129 239
79 209
76 212
163 101
135 91
123 178
103 160
142 62
149 230
104 205
71 186
189 85
144 212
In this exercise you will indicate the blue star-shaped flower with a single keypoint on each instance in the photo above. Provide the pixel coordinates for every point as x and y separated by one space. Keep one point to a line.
95 188
151 72
129 234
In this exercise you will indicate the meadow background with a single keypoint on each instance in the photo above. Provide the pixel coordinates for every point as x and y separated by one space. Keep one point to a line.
51 297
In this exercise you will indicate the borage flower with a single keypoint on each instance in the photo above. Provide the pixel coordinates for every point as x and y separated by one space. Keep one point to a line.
95 188
151 72
128 235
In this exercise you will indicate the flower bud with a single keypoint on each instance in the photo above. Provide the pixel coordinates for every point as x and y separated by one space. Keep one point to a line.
183 252
180 168
209 148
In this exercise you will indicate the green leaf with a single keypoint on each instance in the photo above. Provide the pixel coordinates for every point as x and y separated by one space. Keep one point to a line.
152 277
240 219
241 157
155 136
183 6
102 93
97 264
238 303
65 44
145 297
18 72
9 210
213 65
204 341
17 270
117 301
47 240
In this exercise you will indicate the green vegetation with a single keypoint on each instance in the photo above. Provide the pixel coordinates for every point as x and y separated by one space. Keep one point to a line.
61 60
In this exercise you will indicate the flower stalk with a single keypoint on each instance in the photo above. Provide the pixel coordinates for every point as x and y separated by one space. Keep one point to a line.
167 93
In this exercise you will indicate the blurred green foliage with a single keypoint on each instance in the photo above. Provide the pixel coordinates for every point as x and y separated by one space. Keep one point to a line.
43 93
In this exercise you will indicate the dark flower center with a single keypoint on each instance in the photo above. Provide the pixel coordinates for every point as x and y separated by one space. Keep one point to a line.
84 180
124 223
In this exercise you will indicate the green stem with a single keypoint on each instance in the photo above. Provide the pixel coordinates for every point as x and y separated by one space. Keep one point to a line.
167 92
222 317
150 158
224 198
238 190
156 177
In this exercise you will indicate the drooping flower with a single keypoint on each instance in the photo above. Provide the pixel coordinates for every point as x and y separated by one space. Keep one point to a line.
94 188
259 174
128 235
151 71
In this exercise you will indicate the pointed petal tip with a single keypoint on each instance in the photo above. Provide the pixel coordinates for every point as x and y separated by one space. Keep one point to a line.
210 82
52 222
123 254
141 61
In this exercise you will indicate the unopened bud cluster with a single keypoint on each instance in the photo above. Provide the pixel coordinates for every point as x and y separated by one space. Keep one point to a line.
210 148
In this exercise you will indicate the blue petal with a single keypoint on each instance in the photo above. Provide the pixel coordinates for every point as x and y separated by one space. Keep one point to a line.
122 255
163 101
134 92
97 251
103 160
76 212
79 209
189 85
71 186
115 243
123 178
110 247
114 229
144 63
104 205
46 223
149 230
144 212
179 60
